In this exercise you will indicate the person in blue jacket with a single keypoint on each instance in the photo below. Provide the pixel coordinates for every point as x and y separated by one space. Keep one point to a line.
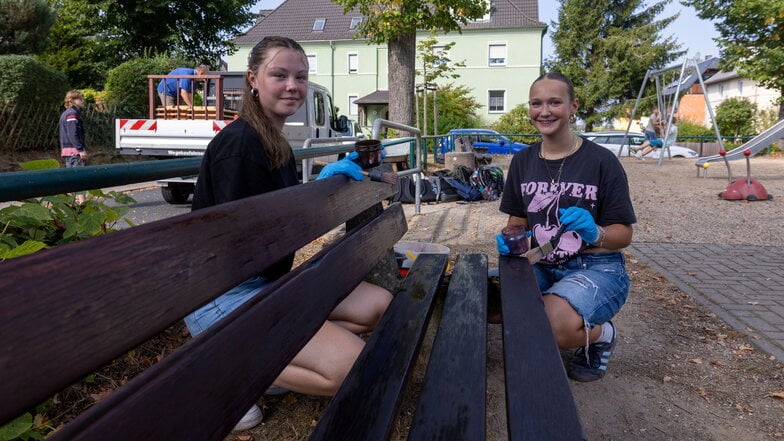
175 91
72 146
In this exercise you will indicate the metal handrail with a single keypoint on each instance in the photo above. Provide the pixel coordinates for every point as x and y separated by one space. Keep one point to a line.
378 125
16 186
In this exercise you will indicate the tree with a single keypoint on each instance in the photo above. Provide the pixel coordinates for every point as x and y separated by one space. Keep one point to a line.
456 108
751 38
735 116
24 25
73 50
516 120
395 23
436 64
106 33
605 48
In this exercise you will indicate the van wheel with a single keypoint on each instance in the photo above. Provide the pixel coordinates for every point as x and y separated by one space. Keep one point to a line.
177 193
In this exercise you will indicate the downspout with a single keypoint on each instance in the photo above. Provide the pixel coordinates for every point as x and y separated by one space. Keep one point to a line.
332 68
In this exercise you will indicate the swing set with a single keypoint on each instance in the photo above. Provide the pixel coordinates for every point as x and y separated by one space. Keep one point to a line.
689 71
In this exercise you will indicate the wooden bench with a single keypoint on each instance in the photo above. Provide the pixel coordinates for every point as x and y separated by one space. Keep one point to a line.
74 308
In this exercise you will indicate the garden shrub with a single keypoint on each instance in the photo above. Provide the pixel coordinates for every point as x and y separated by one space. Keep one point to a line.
25 80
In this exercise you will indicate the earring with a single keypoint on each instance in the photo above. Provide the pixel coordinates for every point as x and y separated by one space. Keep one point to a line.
572 118
254 92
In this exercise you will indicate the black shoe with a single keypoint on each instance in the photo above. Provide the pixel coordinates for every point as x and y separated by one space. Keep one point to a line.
592 366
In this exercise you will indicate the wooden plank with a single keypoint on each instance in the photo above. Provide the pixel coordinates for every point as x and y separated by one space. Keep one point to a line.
367 402
452 403
72 308
204 388
539 402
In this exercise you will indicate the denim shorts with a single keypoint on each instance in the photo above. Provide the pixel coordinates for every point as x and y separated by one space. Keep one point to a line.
649 135
199 320
596 285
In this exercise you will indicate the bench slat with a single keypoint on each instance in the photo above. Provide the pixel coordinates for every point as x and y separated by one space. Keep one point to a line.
201 390
452 401
134 283
366 405
539 402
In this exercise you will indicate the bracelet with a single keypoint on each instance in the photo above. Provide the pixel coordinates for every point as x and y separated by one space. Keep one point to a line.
599 242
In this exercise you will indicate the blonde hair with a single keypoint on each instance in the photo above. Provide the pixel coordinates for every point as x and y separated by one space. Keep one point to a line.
71 96
273 141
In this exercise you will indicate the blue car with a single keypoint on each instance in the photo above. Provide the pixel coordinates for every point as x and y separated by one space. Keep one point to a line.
476 140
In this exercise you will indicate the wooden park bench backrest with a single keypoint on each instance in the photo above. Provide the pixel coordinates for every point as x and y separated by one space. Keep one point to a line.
71 309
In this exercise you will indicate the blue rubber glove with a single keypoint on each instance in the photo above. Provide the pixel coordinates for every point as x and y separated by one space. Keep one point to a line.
581 222
501 246
353 156
344 167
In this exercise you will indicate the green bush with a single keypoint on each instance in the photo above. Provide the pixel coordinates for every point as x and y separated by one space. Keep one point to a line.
687 128
25 80
736 116
515 121
127 83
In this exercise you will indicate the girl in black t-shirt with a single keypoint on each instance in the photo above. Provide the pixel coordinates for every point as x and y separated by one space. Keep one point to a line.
583 281
251 156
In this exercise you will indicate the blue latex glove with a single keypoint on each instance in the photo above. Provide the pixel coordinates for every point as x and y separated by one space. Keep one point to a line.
344 167
353 156
581 222
501 246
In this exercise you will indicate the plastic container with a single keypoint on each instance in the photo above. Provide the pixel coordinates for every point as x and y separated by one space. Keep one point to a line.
414 249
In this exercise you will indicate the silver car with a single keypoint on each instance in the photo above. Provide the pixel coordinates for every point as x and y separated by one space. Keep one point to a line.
613 139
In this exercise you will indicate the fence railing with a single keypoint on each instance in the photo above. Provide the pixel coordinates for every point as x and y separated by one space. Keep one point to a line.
28 126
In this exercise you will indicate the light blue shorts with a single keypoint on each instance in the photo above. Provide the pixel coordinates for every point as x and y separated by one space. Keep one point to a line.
596 285
198 321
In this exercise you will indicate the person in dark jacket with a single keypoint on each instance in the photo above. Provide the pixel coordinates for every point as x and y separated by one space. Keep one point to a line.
72 146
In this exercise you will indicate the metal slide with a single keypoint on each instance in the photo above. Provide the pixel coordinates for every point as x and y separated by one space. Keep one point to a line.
755 145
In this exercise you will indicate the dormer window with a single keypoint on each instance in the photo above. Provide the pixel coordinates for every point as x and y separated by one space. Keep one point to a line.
355 21
318 25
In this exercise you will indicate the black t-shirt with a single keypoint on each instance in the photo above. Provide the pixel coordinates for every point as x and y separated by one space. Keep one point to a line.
235 166
531 192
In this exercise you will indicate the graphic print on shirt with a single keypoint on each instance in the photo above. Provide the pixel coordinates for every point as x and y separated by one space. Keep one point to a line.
543 214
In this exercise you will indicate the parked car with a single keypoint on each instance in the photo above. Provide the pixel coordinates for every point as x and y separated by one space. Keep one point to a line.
613 139
477 140
352 129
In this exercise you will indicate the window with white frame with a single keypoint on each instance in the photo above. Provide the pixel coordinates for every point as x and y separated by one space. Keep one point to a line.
319 23
312 63
353 63
740 86
496 101
440 55
496 54
353 109
355 21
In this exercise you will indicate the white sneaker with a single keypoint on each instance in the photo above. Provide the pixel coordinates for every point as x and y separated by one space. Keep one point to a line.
638 154
252 418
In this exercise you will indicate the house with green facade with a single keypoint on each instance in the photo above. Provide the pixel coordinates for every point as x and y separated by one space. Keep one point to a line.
501 53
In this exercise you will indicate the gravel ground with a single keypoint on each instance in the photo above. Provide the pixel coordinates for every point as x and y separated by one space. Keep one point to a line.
674 205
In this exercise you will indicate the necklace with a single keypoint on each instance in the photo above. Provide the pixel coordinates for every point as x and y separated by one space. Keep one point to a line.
563 161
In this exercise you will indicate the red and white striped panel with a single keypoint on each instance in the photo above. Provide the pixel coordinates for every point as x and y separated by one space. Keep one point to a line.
139 124
218 125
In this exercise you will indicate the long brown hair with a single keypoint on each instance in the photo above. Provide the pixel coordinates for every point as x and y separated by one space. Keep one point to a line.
274 142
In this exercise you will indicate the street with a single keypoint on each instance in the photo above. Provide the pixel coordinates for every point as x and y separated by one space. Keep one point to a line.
150 207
